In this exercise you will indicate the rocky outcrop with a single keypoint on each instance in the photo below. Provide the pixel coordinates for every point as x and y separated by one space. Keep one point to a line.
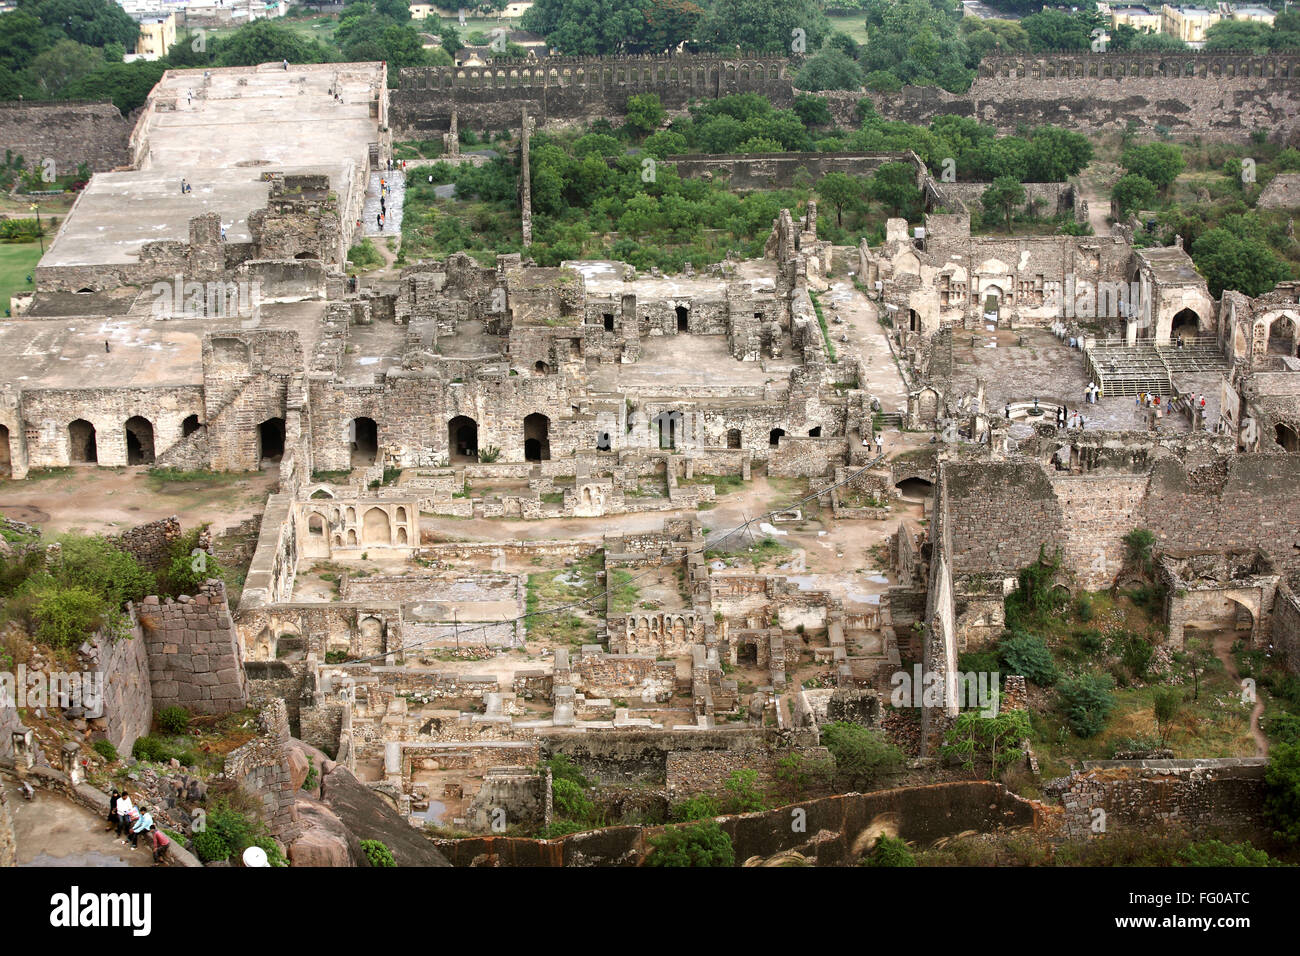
322 839
370 817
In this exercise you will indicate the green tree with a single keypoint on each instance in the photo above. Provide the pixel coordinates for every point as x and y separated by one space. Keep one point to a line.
699 844
1132 193
1160 163
813 111
266 41
597 27
763 26
1233 262
894 184
65 617
742 794
1234 35
94 23
973 738
1057 30
1218 853
1028 654
830 69
62 63
843 192
1003 197
645 113
22 38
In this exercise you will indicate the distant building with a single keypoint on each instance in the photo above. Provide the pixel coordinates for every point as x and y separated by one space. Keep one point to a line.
1139 18
1254 15
157 34
1187 23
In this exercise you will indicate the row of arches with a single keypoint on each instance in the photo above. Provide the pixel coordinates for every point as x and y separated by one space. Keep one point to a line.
744 74
462 438
138 432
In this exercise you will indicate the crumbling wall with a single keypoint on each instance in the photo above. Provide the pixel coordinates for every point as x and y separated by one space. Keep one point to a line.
690 772
261 767
8 844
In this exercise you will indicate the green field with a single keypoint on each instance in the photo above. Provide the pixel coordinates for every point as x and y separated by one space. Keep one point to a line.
855 26
17 260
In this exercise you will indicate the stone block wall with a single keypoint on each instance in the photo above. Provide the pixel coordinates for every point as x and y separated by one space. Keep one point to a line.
690 772
1286 626
128 689
261 767
8 844
193 650
151 543
70 133
1219 794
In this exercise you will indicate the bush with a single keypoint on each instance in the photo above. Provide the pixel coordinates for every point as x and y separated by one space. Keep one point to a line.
105 749
862 756
1027 654
1136 655
742 796
701 844
1284 728
209 846
173 720
1086 702
1217 853
699 807
65 617
1282 793
157 750
377 853
889 851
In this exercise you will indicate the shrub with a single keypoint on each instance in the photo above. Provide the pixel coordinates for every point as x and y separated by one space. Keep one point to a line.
1217 853
105 749
742 796
209 846
699 807
173 720
1136 655
377 853
65 617
1284 728
1027 654
700 844
570 800
1138 545
1282 793
1086 701
889 851
862 756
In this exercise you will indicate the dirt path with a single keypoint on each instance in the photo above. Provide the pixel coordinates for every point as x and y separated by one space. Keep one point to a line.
1223 651
1094 188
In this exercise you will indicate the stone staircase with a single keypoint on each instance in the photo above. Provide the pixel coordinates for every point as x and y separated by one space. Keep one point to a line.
1127 370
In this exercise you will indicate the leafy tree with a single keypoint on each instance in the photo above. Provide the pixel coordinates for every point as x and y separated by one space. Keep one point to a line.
700 844
763 26
894 184
1232 262
842 191
889 851
742 795
1057 30
22 38
918 42
94 23
699 807
993 36
645 113
882 81
1160 163
266 41
99 566
1157 43
1282 792
62 63
594 27
813 111
1237 35
1004 196
862 756
1132 192
1086 702
830 69
65 617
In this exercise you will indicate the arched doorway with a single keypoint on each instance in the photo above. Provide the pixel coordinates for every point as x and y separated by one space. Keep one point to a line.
375 528
913 321
683 319
537 438
139 441
774 436
815 432
915 489
1287 438
81 442
541 368
462 439
189 426
1283 336
270 440
363 435
6 456
1186 323
733 437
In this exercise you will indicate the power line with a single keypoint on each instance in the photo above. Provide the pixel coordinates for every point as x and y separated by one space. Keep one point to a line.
708 546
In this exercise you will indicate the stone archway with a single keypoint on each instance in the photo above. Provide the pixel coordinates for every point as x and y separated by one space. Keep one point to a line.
537 437
363 440
462 439
270 441
376 528
733 438
6 453
190 425
1185 323
139 441
81 442
1287 437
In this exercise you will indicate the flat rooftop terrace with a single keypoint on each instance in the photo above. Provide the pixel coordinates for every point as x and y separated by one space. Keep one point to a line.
69 353
607 278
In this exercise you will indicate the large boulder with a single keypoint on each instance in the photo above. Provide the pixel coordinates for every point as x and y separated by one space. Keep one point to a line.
371 817
323 840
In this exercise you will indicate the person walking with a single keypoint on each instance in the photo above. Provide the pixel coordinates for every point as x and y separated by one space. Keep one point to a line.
880 443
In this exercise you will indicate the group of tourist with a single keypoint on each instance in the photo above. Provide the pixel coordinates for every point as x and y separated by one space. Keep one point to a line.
1091 393
130 821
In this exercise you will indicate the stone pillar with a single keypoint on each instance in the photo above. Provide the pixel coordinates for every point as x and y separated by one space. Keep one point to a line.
525 182
24 749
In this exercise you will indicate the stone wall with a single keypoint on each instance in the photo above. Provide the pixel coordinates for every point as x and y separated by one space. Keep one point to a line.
151 543
689 772
834 827
8 844
1286 626
779 170
571 89
194 655
1219 794
70 133
261 767
128 690
1215 95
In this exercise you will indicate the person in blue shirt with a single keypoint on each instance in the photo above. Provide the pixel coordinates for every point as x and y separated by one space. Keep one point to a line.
142 825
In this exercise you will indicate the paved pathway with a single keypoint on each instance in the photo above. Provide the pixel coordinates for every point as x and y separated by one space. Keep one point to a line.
396 180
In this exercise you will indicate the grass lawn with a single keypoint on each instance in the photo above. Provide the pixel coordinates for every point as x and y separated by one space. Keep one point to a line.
855 25
17 260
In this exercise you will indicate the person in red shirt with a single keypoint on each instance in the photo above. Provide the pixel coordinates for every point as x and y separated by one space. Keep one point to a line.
160 844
